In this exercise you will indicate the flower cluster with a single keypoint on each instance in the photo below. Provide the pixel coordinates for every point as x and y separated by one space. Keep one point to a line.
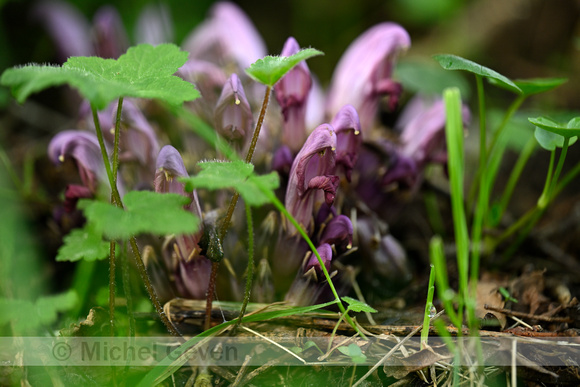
340 176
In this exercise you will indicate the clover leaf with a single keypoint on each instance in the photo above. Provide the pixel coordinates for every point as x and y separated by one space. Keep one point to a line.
144 71
235 174
454 62
354 352
145 212
271 69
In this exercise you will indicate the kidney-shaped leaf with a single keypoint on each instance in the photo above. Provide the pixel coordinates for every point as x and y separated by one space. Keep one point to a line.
271 69
144 71
571 129
454 62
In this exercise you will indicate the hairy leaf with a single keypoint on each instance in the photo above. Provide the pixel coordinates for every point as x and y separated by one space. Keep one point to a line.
358 306
143 71
271 69
235 174
145 212
83 243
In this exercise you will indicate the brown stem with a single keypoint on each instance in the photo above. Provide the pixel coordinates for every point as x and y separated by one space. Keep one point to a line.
119 203
232 206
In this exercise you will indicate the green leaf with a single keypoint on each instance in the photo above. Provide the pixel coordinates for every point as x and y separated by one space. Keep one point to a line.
83 243
354 352
235 174
27 315
145 212
539 85
143 71
454 62
271 69
428 78
358 306
551 134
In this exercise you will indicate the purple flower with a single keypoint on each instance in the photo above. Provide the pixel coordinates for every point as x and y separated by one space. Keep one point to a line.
233 115
364 72
192 277
67 27
423 130
154 25
292 95
325 252
338 232
84 149
227 36
109 36
382 251
312 171
348 138
169 167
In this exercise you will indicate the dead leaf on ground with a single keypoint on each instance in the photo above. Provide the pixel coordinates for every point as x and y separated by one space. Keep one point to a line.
488 294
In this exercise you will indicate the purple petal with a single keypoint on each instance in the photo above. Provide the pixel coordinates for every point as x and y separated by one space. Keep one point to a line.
328 184
315 159
348 138
364 72
169 167
338 232
282 160
292 93
109 35
192 278
227 36
154 25
325 252
84 149
67 26
423 133
233 115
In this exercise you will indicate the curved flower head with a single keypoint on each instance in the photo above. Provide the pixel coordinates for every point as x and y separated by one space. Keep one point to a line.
154 25
84 149
348 138
227 36
364 72
312 171
67 26
233 115
192 278
109 35
169 167
423 130
325 252
292 95
338 232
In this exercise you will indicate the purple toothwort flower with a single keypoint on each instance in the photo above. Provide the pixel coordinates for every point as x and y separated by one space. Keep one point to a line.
312 176
109 35
233 115
169 167
227 36
84 149
292 95
346 123
423 130
338 232
364 72
154 25
192 277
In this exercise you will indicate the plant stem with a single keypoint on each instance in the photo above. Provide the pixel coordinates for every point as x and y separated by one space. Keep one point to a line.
138 260
250 270
482 126
515 175
232 206
278 204
428 306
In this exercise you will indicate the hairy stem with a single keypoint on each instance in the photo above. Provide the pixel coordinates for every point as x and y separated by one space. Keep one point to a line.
232 206
119 203
250 270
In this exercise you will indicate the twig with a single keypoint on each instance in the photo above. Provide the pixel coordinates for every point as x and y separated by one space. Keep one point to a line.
530 316
394 349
